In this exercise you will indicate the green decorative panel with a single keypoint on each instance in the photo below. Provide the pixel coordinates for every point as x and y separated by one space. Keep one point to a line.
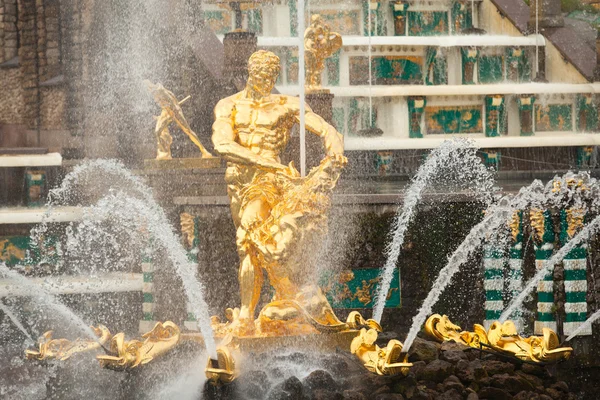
453 119
13 249
291 67
378 27
293 5
358 288
461 16
18 249
491 69
587 114
339 116
220 21
554 117
344 22
437 67
358 115
255 20
390 70
332 67
427 23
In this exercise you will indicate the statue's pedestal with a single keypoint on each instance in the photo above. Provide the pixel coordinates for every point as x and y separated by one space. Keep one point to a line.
183 163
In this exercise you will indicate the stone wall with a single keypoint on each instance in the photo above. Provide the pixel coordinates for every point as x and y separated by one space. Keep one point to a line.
52 109
11 101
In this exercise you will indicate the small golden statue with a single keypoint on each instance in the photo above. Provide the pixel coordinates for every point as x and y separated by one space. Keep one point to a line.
383 361
125 355
501 337
170 112
319 44
62 349
276 212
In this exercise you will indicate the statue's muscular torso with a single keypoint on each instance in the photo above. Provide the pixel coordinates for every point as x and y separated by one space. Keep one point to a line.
264 127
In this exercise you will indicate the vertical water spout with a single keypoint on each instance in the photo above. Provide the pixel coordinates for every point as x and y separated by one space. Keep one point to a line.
301 79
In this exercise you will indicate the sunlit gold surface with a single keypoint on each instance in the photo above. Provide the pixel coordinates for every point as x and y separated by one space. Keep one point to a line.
537 223
319 44
62 349
124 354
575 217
277 213
515 225
388 360
502 338
170 112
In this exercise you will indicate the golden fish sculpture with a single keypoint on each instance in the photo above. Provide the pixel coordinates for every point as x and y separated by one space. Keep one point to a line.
502 338
62 349
388 360
124 354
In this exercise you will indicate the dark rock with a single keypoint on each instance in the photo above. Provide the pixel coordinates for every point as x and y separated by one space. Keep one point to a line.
524 395
452 346
405 386
453 356
389 396
428 385
472 396
290 389
353 395
254 384
383 390
336 364
436 371
555 394
544 397
421 395
416 368
320 379
536 370
439 387
323 394
450 395
423 350
493 367
493 393
534 380
512 384
561 386
452 382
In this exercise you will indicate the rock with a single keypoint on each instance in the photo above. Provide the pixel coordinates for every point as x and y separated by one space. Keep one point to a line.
493 393
436 371
322 394
524 395
512 384
336 364
544 397
536 370
405 386
469 372
561 386
450 395
452 382
534 380
453 356
353 395
416 368
389 396
452 346
493 367
290 389
382 390
421 395
320 379
555 394
254 384
423 350
472 396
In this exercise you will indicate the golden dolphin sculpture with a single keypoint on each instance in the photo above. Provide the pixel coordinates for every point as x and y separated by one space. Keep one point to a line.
130 354
501 337
62 349
382 361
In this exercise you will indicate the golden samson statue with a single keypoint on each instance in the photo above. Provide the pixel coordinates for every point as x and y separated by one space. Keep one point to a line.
275 211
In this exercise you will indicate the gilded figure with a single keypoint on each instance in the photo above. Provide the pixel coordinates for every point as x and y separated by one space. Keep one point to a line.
276 212
170 112
319 44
